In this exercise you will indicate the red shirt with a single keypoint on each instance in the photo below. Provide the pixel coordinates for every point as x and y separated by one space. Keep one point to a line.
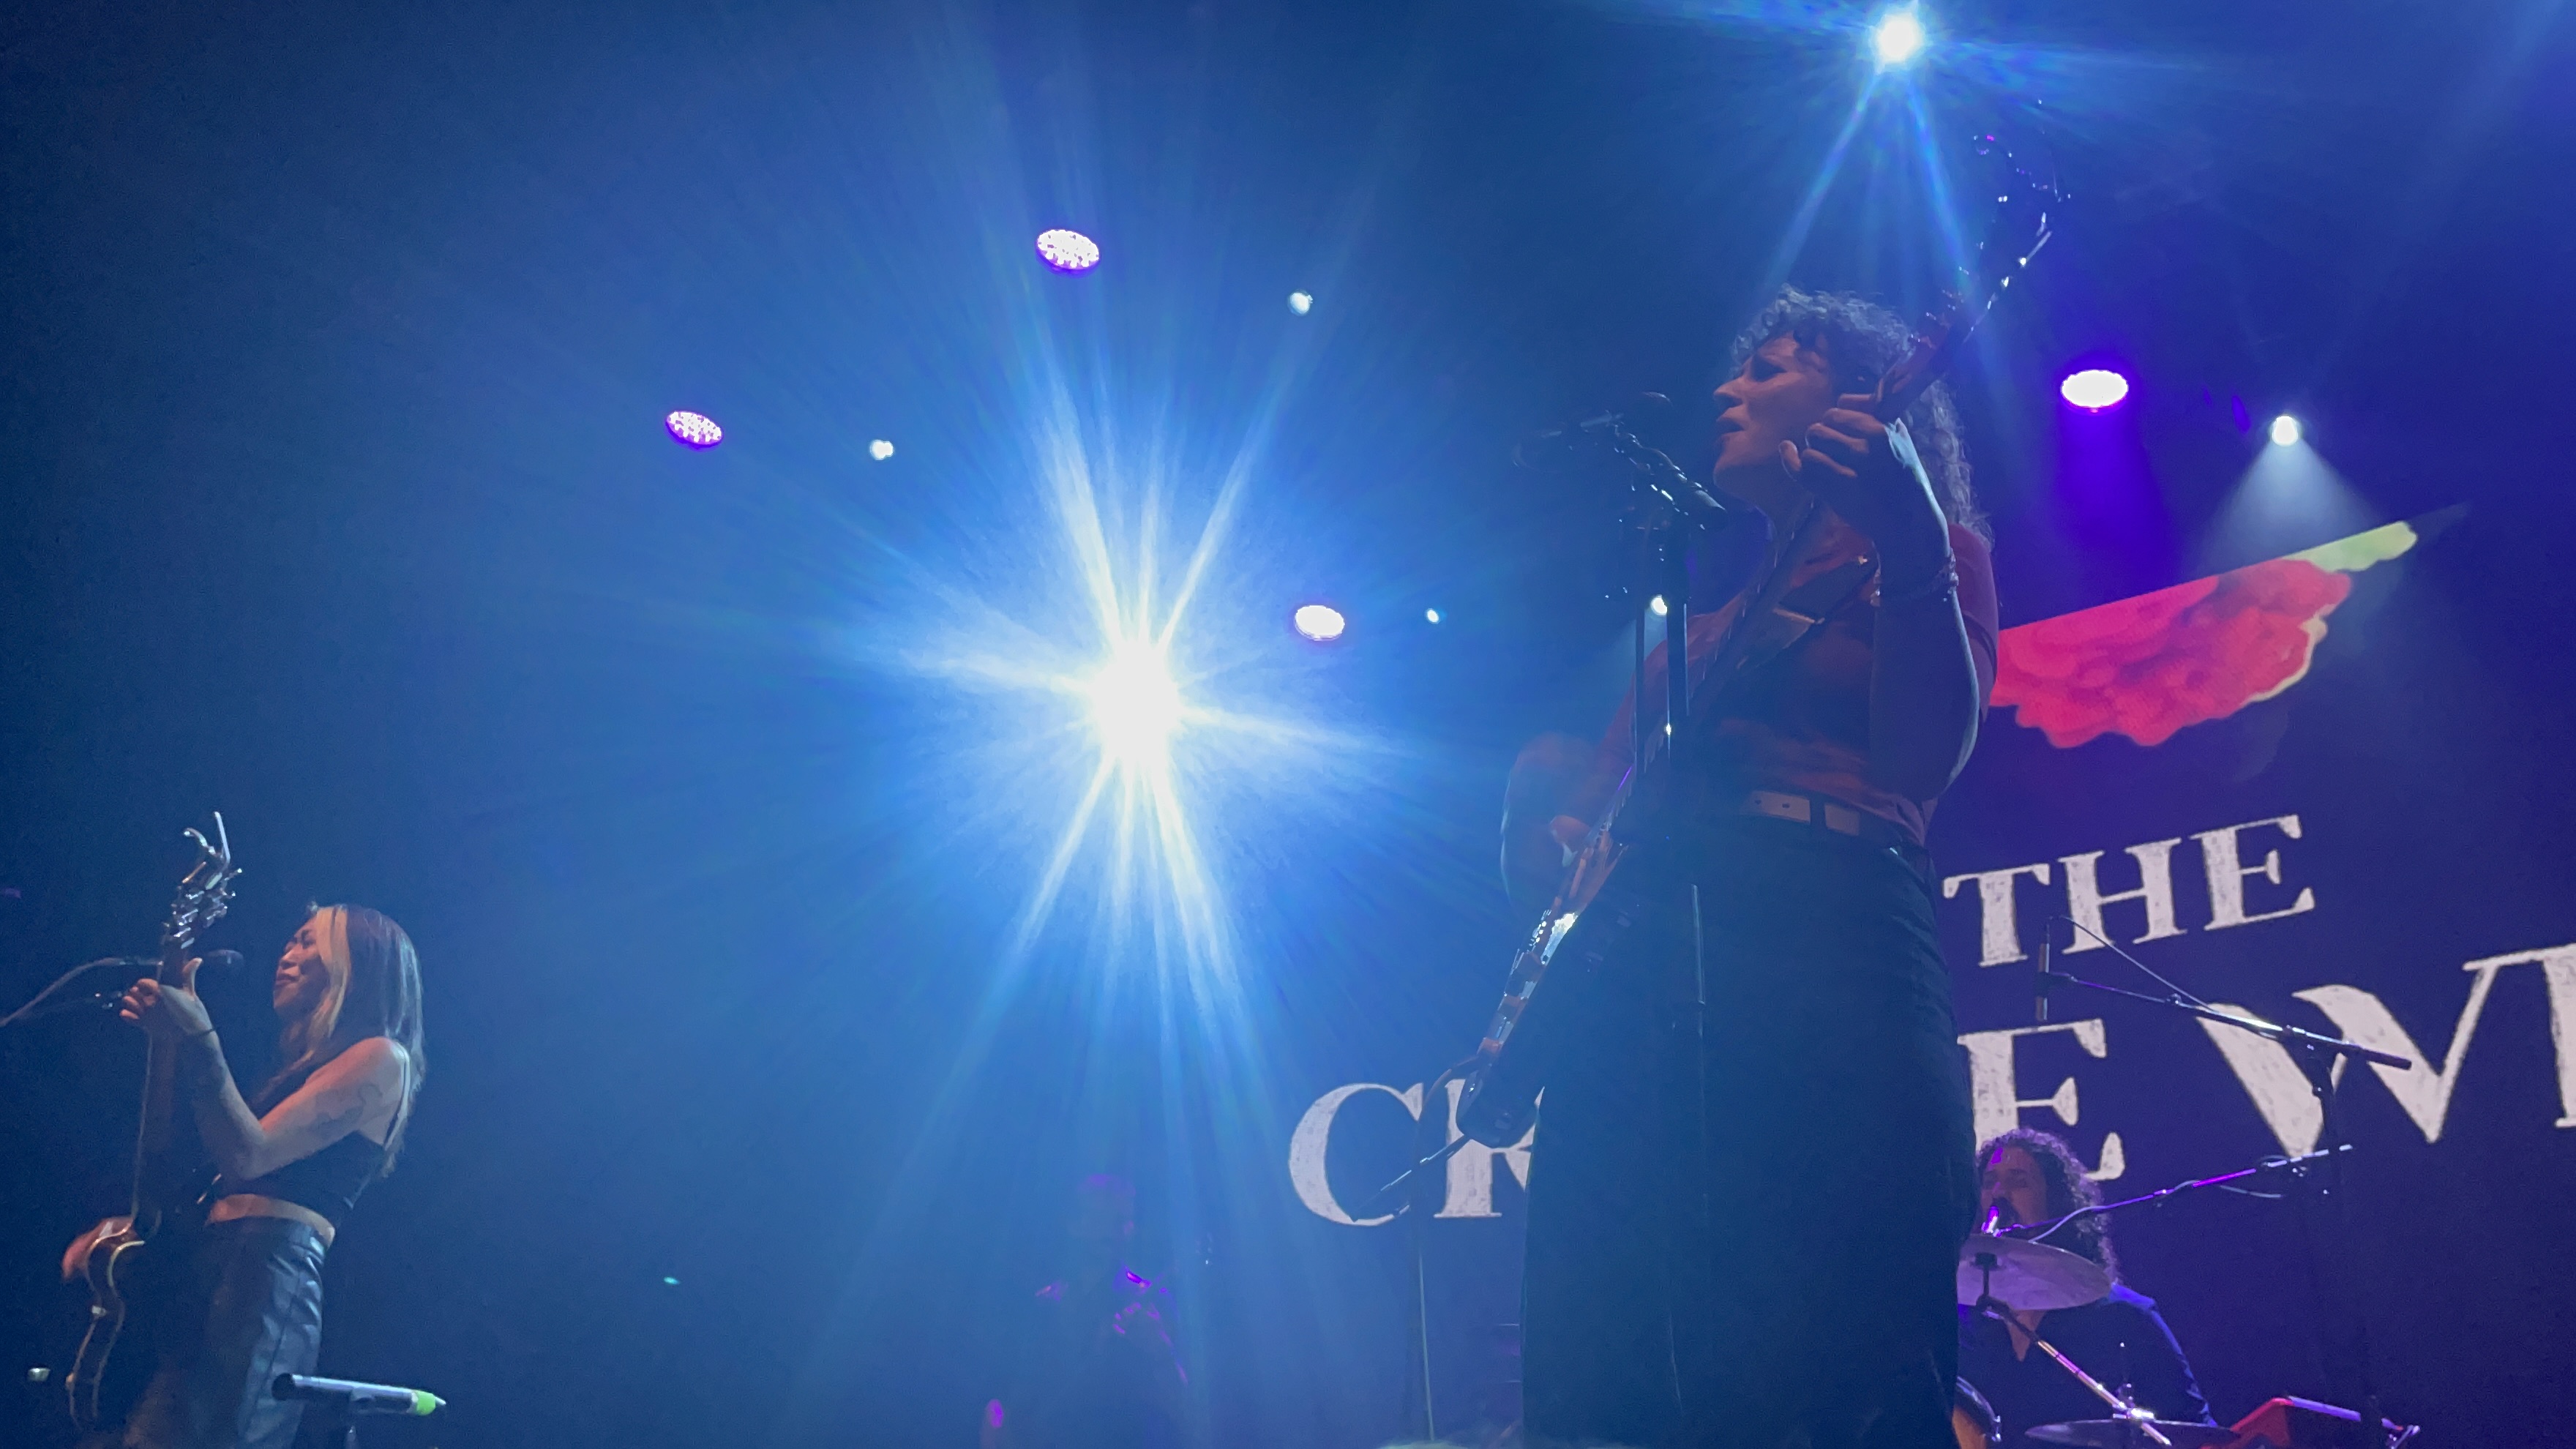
1801 722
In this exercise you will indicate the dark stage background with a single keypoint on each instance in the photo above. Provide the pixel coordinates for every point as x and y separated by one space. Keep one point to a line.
337 343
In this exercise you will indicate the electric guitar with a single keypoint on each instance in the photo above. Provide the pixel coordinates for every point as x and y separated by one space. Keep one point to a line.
118 1269
1599 902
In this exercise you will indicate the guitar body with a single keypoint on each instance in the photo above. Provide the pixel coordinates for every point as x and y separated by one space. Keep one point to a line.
129 1278
128 1286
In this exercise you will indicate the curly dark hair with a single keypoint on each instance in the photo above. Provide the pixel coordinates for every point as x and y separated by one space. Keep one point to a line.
2068 1189
1862 340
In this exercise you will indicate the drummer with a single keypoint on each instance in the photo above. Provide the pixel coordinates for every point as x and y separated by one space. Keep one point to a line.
2119 1338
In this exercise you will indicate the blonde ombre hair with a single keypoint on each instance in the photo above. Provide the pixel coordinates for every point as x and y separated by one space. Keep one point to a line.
371 988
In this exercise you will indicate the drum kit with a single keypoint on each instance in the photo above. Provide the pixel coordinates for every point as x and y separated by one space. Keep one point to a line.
1999 1274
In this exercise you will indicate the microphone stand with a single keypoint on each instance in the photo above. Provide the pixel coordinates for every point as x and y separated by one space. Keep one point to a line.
1421 1190
2318 1057
47 1003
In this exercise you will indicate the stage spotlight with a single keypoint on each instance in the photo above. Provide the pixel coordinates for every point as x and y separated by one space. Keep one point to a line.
1135 706
1300 303
881 450
2094 389
1319 622
1068 251
1898 37
2285 431
1657 604
695 429
1431 616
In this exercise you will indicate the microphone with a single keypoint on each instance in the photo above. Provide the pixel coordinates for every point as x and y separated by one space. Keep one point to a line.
1558 447
2039 981
1996 1220
356 1398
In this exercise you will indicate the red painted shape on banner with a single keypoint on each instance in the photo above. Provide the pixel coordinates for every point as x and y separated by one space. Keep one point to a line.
2147 667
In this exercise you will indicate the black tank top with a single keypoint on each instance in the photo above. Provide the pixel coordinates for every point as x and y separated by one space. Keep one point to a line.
330 1180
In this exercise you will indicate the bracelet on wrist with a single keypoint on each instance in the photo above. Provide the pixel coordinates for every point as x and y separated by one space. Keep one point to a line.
1939 585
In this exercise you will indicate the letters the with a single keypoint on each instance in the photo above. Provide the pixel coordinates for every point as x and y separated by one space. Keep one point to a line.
2084 898
2227 875
1999 932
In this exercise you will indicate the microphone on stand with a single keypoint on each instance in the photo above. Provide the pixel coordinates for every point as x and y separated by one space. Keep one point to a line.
351 1397
2039 981
1998 1218
1559 447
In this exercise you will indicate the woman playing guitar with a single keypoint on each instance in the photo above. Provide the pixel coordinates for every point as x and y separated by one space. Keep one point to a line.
292 1160
1745 1233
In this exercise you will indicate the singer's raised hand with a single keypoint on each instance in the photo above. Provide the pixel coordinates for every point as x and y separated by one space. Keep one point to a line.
170 1012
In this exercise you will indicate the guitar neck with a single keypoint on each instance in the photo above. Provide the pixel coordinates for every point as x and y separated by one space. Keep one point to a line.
156 1129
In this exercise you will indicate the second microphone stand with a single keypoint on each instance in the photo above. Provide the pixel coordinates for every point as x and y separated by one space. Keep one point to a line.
2318 1056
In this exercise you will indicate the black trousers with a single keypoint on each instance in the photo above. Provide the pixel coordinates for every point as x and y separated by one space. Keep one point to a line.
1769 1264
249 1309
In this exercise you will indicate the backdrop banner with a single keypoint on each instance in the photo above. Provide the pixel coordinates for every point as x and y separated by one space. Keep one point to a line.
2287 789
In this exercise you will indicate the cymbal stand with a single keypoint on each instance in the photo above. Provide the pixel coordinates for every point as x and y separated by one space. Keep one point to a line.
2122 1407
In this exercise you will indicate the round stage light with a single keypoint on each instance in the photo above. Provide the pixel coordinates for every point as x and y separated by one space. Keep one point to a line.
1300 303
1659 606
1135 706
1898 38
2093 389
2285 431
880 450
1319 622
1068 251
695 429
1431 616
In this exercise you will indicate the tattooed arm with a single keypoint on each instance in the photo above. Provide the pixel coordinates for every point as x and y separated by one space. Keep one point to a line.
359 1090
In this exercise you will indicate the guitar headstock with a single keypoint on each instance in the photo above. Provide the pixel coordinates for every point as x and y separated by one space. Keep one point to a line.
204 895
2026 194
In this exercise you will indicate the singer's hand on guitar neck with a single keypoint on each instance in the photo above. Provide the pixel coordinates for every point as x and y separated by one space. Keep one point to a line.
172 1012
1556 777
1869 474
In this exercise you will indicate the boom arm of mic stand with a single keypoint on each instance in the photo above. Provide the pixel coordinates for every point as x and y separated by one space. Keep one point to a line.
2271 1031
1675 491
2274 1164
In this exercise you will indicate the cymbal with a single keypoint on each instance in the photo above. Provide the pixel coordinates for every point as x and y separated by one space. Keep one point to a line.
2027 1275
2125 1433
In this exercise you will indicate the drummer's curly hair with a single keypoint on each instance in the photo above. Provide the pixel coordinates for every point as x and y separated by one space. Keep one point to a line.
2068 1189
1863 340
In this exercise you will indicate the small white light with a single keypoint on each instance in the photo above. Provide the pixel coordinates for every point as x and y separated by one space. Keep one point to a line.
2285 431
1898 38
1431 616
695 429
1659 606
1299 302
1067 250
1319 622
880 450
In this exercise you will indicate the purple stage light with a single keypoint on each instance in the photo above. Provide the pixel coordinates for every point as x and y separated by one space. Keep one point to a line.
1068 251
695 429
2094 389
